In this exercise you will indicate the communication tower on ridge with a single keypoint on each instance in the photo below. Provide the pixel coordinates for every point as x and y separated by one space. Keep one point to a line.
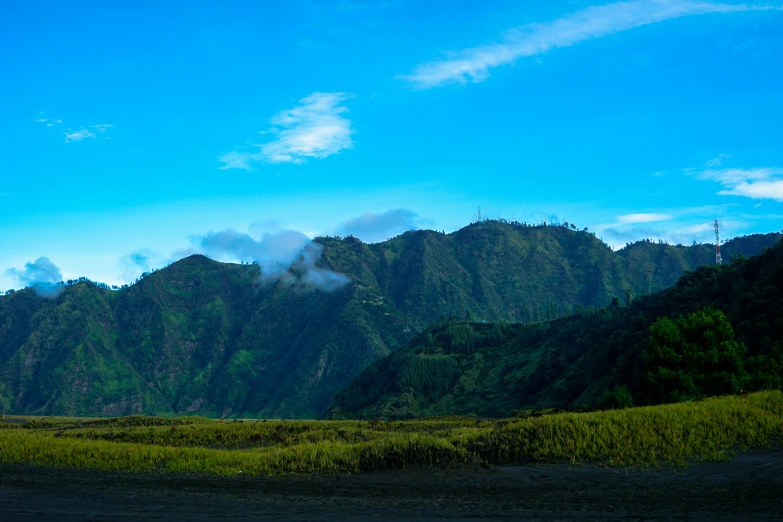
718 259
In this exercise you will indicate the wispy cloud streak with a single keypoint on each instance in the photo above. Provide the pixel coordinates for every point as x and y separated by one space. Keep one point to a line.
680 226
473 65
642 218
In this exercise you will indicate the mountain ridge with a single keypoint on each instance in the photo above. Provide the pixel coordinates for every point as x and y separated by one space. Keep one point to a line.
206 337
494 369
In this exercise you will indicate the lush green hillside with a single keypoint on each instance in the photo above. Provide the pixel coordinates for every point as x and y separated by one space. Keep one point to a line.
207 337
493 369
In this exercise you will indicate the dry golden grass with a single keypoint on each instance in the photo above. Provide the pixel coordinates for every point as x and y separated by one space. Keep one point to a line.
650 436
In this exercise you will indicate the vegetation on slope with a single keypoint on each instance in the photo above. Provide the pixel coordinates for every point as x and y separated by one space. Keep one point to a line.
718 330
648 436
206 337
694 356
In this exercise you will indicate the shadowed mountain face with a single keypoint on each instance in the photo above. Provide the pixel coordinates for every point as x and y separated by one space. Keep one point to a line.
206 337
462 368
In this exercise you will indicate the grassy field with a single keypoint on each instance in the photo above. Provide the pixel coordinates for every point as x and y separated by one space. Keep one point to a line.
671 434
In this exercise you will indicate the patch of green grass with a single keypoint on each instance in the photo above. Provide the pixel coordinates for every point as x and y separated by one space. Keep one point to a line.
650 436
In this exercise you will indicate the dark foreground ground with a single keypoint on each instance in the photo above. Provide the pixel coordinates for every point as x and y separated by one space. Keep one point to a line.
750 487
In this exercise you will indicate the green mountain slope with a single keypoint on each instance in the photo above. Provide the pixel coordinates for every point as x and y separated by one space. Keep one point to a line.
206 337
493 369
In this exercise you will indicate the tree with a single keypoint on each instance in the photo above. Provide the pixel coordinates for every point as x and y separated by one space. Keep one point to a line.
692 357
766 371
618 398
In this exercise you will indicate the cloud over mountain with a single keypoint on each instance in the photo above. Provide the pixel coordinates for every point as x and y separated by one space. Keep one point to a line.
373 227
42 275
288 256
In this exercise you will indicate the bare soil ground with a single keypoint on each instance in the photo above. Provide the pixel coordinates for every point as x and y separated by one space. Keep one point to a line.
749 487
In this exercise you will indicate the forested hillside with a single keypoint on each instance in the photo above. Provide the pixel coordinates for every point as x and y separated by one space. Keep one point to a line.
206 337
729 326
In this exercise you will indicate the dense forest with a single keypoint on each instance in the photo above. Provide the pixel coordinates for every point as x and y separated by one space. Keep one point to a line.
718 330
217 339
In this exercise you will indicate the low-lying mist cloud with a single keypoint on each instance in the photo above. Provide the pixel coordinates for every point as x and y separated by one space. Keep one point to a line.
373 227
288 256
42 275
305 271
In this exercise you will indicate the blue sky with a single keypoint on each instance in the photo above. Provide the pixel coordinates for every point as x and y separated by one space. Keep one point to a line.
135 133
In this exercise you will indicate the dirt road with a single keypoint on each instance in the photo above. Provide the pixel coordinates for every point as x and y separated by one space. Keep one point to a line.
750 487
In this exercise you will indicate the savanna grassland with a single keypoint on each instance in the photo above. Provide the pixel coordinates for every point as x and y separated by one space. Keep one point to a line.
710 429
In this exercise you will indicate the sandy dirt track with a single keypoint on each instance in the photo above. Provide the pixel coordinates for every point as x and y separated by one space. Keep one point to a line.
750 487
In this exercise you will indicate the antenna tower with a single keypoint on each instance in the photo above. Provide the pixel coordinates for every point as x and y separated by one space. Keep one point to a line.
718 259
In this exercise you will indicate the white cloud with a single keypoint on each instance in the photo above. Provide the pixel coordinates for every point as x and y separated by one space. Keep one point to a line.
642 218
316 128
717 161
758 183
694 229
372 227
49 122
237 160
473 65
79 135
677 232
83 134
135 263
71 135
680 226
